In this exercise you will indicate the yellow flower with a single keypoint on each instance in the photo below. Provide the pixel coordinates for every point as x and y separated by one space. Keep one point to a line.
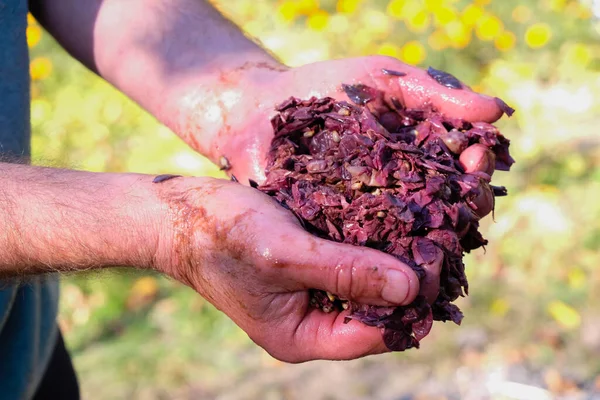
143 291
413 52
288 10
521 14
558 5
482 2
404 9
318 21
505 41
438 40
394 8
489 27
34 34
471 14
145 286
40 68
564 314
307 7
418 22
432 5
578 54
30 19
444 15
459 34
577 278
500 307
538 35
348 6
389 49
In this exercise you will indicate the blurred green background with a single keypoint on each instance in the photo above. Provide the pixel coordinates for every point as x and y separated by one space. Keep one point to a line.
532 320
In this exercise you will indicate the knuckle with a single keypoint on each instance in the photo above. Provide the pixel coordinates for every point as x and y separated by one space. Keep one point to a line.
350 278
342 278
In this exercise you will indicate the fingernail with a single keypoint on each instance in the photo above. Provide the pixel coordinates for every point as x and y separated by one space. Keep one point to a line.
396 287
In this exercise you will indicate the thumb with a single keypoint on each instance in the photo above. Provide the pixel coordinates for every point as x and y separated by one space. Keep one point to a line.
355 273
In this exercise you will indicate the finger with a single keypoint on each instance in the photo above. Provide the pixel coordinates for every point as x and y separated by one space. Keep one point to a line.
417 88
356 273
321 336
478 158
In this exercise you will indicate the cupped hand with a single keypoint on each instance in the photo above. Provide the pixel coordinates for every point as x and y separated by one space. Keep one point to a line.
230 122
236 117
252 260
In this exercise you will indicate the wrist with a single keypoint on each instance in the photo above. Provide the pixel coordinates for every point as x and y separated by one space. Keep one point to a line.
139 215
182 61
184 239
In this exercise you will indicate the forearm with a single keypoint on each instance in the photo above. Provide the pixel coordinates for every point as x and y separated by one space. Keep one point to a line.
155 51
63 220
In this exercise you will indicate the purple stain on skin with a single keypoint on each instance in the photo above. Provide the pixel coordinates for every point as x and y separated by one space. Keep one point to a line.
165 177
444 78
392 72
508 110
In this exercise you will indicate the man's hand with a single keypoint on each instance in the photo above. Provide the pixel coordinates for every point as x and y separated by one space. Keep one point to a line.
233 244
251 259
231 123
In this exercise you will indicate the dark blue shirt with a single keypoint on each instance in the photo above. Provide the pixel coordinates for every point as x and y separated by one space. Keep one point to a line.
28 306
